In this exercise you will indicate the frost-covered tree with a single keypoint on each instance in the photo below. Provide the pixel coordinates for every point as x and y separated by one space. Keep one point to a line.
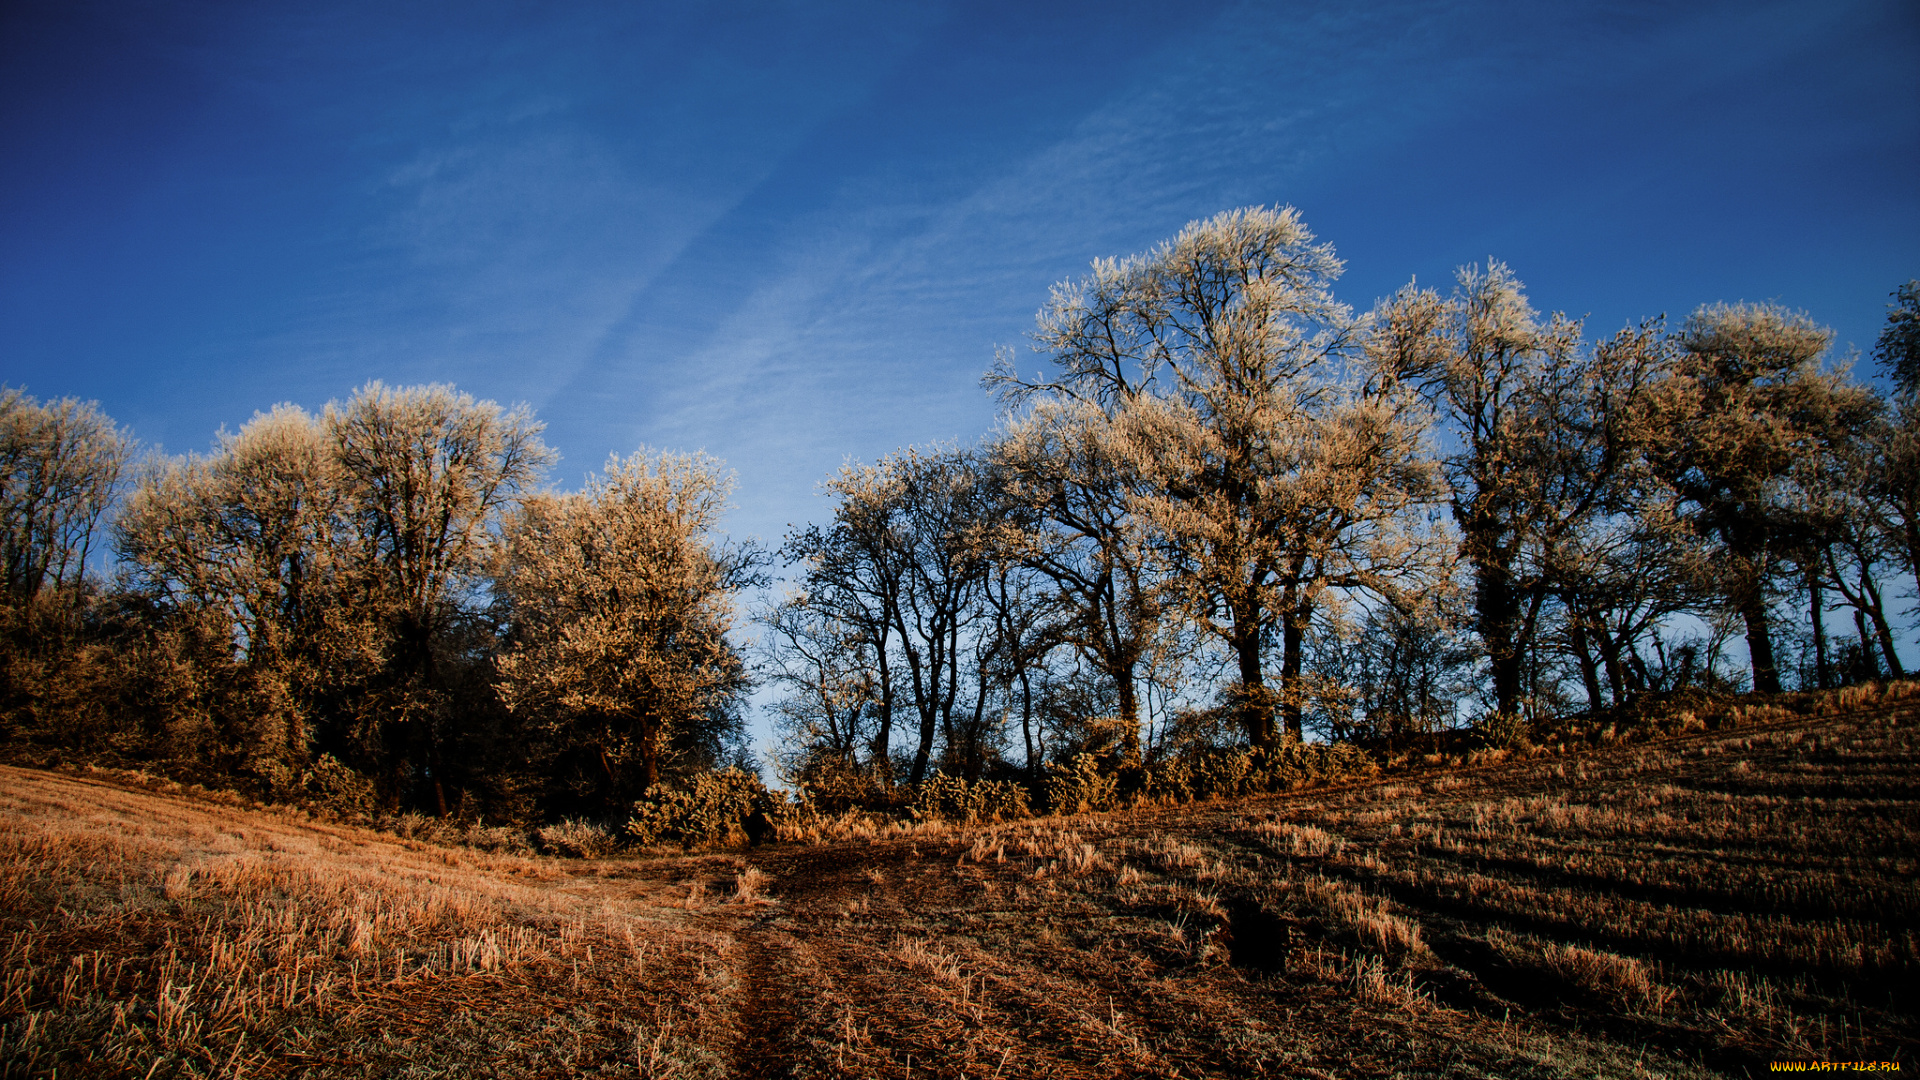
1745 401
316 577
245 562
830 670
1898 347
1279 470
620 600
853 571
1848 499
1071 488
428 473
1896 441
60 469
1610 548
902 565
1028 624
1397 672
252 531
1540 430
937 515
60 466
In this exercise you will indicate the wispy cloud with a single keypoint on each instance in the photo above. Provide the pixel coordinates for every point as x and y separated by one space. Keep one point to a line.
867 322
861 321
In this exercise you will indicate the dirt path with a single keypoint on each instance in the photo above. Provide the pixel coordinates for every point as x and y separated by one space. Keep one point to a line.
768 1023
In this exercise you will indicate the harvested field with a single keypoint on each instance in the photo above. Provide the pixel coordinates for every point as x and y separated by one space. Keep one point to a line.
1691 907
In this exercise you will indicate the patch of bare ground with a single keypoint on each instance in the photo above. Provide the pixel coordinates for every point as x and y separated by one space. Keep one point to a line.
1692 907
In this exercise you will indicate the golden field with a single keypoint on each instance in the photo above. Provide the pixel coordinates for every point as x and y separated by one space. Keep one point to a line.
1694 906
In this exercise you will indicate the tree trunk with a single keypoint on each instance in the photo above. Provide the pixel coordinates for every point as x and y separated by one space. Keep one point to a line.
927 703
1753 609
923 753
411 667
1894 666
1616 672
1589 671
974 756
1256 712
1822 668
1910 524
1637 668
1129 714
1026 723
1869 668
1876 611
1293 634
649 755
882 752
1498 609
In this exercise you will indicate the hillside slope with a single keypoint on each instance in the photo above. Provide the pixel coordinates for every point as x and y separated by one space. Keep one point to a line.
1698 906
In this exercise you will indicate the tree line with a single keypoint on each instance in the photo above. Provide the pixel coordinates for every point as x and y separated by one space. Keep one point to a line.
1228 511
376 605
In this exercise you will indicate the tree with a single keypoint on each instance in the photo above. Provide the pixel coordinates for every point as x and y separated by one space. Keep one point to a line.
60 466
1619 562
244 557
937 521
1895 481
60 469
1399 673
852 576
1542 431
1071 487
902 565
1744 401
1898 348
252 530
1276 531
427 472
1847 498
1027 626
830 666
619 604
1618 580
1276 470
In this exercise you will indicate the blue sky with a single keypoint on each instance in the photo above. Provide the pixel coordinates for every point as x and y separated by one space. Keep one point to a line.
793 234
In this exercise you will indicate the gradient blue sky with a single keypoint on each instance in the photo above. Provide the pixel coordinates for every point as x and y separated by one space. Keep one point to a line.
791 234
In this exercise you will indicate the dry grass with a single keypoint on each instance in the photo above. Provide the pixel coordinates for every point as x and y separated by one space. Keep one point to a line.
750 886
1694 906
160 937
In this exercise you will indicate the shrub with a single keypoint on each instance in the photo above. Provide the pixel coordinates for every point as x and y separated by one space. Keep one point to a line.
832 788
499 839
577 839
339 788
1293 763
1078 786
1208 775
728 808
750 886
954 799
1504 731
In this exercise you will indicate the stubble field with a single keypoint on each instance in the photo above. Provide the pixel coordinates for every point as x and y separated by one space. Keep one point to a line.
1691 907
